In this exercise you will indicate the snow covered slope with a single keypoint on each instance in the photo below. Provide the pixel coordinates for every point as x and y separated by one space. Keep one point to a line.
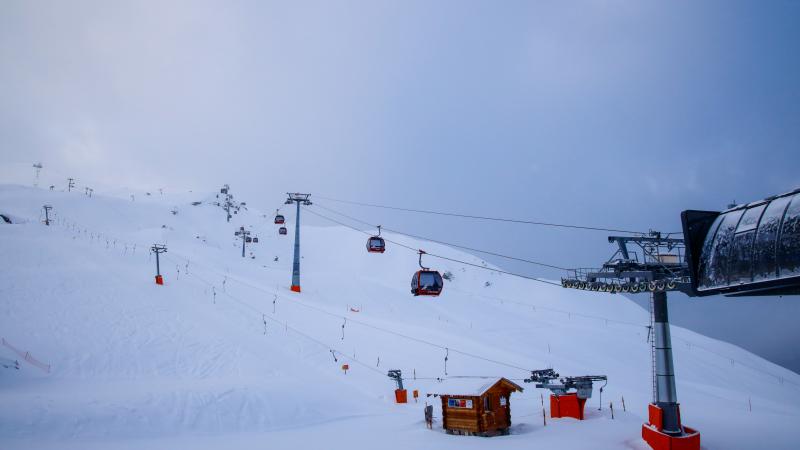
224 355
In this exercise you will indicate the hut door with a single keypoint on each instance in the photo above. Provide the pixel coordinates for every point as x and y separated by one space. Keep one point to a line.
502 410
489 420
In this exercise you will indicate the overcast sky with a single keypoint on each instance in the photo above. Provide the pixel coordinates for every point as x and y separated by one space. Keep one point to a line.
617 114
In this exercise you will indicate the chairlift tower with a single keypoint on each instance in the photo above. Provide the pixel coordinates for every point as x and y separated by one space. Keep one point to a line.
47 209
298 199
158 249
226 190
658 265
37 168
244 234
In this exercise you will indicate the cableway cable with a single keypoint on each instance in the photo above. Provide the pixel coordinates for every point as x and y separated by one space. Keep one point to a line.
496 219
436 241
438 256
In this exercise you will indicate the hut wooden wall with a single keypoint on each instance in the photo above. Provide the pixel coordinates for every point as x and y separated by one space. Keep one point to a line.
461 418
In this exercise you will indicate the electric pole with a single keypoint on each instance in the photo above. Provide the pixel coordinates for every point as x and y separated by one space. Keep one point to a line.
158 249
47 209
298 199
70 184
244 234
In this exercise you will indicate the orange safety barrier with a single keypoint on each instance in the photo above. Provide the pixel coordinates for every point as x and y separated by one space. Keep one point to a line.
567 405
401 395
159 280
295 288
27 356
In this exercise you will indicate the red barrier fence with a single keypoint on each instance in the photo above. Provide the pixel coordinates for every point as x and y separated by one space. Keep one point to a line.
27 357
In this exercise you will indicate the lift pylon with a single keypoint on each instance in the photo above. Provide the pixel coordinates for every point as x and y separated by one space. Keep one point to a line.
298 199
657 265
158 249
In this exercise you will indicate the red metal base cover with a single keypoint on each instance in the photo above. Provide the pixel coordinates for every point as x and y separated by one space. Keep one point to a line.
658 440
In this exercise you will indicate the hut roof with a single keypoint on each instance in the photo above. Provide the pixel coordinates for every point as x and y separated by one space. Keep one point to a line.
470 386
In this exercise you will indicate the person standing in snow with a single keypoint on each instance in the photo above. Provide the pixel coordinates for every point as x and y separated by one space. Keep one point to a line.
429 416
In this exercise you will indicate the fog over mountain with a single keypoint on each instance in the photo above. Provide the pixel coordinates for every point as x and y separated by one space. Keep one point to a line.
608 114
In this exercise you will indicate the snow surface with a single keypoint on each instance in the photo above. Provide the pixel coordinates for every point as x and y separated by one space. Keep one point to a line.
136 365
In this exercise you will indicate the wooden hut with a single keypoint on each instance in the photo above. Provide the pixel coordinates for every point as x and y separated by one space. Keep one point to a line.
476 406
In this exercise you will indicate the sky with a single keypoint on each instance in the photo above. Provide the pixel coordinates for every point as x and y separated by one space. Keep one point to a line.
615 114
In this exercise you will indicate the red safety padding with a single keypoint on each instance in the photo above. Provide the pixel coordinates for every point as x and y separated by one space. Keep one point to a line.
401 395
567 405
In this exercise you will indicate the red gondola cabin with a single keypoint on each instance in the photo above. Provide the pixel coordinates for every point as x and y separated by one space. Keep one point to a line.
427 282
376 244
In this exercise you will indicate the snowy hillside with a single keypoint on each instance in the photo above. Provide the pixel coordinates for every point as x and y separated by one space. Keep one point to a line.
224 355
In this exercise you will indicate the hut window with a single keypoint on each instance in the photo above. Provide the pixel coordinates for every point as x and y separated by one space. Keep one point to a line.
487 404
459 403
503 401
